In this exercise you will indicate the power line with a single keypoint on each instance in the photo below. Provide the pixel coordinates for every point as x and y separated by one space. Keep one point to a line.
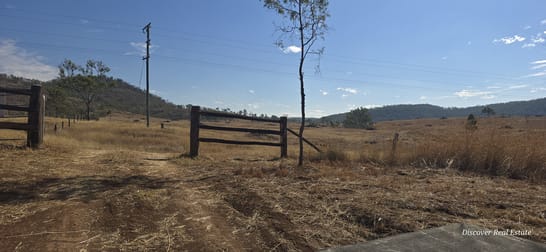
360 61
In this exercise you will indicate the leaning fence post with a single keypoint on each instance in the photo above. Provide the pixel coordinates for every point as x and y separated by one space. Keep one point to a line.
194 131
284 137
35 135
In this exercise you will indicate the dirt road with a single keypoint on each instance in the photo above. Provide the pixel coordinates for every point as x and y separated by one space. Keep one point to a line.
118 200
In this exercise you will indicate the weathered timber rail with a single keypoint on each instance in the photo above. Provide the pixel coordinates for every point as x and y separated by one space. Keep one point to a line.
196 124
35 110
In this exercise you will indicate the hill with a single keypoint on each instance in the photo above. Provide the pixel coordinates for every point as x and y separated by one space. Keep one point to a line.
406 112
122 96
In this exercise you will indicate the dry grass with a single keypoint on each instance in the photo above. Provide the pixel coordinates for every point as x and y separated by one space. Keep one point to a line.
511 147
115 185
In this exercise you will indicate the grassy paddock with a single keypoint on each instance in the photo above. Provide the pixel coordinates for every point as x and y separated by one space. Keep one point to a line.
511 147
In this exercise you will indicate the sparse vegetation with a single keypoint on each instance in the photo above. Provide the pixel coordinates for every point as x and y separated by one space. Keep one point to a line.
92 184
358 118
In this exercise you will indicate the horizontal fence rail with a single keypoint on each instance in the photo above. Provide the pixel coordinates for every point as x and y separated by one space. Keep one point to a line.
19 91
196 125
35 125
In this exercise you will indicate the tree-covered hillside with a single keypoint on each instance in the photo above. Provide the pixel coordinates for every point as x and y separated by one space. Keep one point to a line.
403 112
121 96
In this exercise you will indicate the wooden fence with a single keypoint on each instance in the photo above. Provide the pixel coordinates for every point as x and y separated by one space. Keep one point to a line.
196 124
35 110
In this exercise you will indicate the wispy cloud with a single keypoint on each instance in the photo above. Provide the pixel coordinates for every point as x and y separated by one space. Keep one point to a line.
527 27
422 98
291 49
539 89
537 64
536 74
322 92
19 62
517 87
347 90
510 40
140 48
9 6
543 22
251 91
528 45
465 93
84 21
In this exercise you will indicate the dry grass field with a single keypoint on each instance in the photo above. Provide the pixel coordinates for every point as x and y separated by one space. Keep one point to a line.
114 185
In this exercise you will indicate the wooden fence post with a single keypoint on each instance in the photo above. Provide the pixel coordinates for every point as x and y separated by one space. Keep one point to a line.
284 137
35 135
194 131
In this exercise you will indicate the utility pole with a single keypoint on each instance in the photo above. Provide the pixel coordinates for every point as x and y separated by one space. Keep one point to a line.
147 58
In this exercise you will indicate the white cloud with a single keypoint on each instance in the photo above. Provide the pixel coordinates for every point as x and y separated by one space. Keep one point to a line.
153 91
422 98
538 40
527 27
539 89
291 49
539 62
371 106
536 74
251 91
444 58
538 66
140 48
323 92
19 62
487 97
517 87
493 87
348 90
253 105
528 45
510 40
465 93
543 22
469 43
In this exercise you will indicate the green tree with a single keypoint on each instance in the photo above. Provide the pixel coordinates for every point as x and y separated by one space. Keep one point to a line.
307 21
488 110
85 83
358 118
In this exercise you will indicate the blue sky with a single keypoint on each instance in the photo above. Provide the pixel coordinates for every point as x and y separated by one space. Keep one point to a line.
222 53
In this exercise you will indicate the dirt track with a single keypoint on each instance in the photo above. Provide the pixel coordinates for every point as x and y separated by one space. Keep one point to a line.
156 202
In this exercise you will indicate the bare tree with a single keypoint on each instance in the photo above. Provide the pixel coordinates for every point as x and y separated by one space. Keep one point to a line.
307 22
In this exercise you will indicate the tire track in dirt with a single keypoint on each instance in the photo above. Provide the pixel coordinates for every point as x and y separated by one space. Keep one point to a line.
275 230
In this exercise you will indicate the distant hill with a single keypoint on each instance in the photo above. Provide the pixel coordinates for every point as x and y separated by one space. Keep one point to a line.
121 97
124 97
406 112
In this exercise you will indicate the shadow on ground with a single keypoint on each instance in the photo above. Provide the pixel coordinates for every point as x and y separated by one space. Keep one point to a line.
84 188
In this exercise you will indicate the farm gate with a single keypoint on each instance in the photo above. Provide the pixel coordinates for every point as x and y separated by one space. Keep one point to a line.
196 124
